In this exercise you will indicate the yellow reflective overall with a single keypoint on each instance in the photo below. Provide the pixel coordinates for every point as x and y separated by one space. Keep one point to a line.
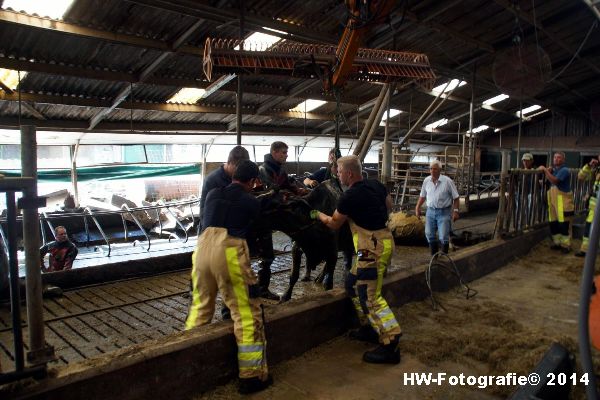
560 213
222 263
374 252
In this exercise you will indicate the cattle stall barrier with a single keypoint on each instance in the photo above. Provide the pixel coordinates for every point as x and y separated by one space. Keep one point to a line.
185 364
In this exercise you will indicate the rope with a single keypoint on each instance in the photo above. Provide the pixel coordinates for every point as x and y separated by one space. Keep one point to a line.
469 293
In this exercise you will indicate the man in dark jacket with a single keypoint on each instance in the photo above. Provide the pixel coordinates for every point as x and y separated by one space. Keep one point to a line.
272 176
221 177
62 252
221 263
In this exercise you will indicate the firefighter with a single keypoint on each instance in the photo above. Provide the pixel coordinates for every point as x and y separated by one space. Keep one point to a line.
366 205
272 176
560 203
589 171
221 262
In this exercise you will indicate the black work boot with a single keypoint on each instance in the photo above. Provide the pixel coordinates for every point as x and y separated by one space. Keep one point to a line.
445 248
265 293
365 333
252 385
384 354
433 247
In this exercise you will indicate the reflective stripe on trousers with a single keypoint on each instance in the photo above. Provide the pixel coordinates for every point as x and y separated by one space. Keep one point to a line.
221 263
374 252
585 242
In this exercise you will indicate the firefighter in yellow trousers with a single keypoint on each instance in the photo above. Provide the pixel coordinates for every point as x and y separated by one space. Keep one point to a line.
366 205
221 262
589 171
560 202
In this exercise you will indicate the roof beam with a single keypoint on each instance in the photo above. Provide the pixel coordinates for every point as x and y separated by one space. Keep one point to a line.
225 15
528 17
387 34
465 101
175 108
295 91
52 68
153 127
118 127
31 21
145 73
31 109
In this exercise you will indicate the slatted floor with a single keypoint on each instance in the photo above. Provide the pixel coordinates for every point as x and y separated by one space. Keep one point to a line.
95 320
90 321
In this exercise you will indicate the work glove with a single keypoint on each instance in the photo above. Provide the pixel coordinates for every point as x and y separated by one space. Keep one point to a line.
314 214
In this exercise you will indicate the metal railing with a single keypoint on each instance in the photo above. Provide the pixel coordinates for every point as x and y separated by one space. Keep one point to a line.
489 184
125 211
523 199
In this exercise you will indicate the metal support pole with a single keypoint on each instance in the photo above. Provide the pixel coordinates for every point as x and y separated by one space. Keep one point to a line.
386 161
471 170
519 134
38 352
239 93
366 129
587 281
13 265
75 150
502 195
374 126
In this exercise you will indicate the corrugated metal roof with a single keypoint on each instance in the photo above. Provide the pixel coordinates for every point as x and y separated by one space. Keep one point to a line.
455 35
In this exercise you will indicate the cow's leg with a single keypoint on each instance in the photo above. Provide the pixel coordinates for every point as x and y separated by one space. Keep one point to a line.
348 257
296 260
264 266
297 263
326 275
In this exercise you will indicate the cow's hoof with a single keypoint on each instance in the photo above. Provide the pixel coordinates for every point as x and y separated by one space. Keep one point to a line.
306 278
320 278
285 298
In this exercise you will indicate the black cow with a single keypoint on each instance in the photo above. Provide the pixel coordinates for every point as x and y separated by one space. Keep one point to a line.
291 215
325 198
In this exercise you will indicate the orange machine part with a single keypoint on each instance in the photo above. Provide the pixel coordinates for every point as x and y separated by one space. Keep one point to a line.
594 317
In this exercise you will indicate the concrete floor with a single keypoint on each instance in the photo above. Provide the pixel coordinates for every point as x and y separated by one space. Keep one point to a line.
540 297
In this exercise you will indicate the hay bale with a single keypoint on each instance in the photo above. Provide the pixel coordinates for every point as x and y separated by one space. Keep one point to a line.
407 229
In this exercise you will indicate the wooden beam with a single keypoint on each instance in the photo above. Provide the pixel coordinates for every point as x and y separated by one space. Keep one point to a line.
31 109
145 73
52 68
174 108
115 127
156 128
31 21
292 92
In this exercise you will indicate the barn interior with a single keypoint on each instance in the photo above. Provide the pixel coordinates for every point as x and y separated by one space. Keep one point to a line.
113 112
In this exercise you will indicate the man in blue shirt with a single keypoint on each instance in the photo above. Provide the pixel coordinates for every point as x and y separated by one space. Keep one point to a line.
324 173
560 202
442 206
